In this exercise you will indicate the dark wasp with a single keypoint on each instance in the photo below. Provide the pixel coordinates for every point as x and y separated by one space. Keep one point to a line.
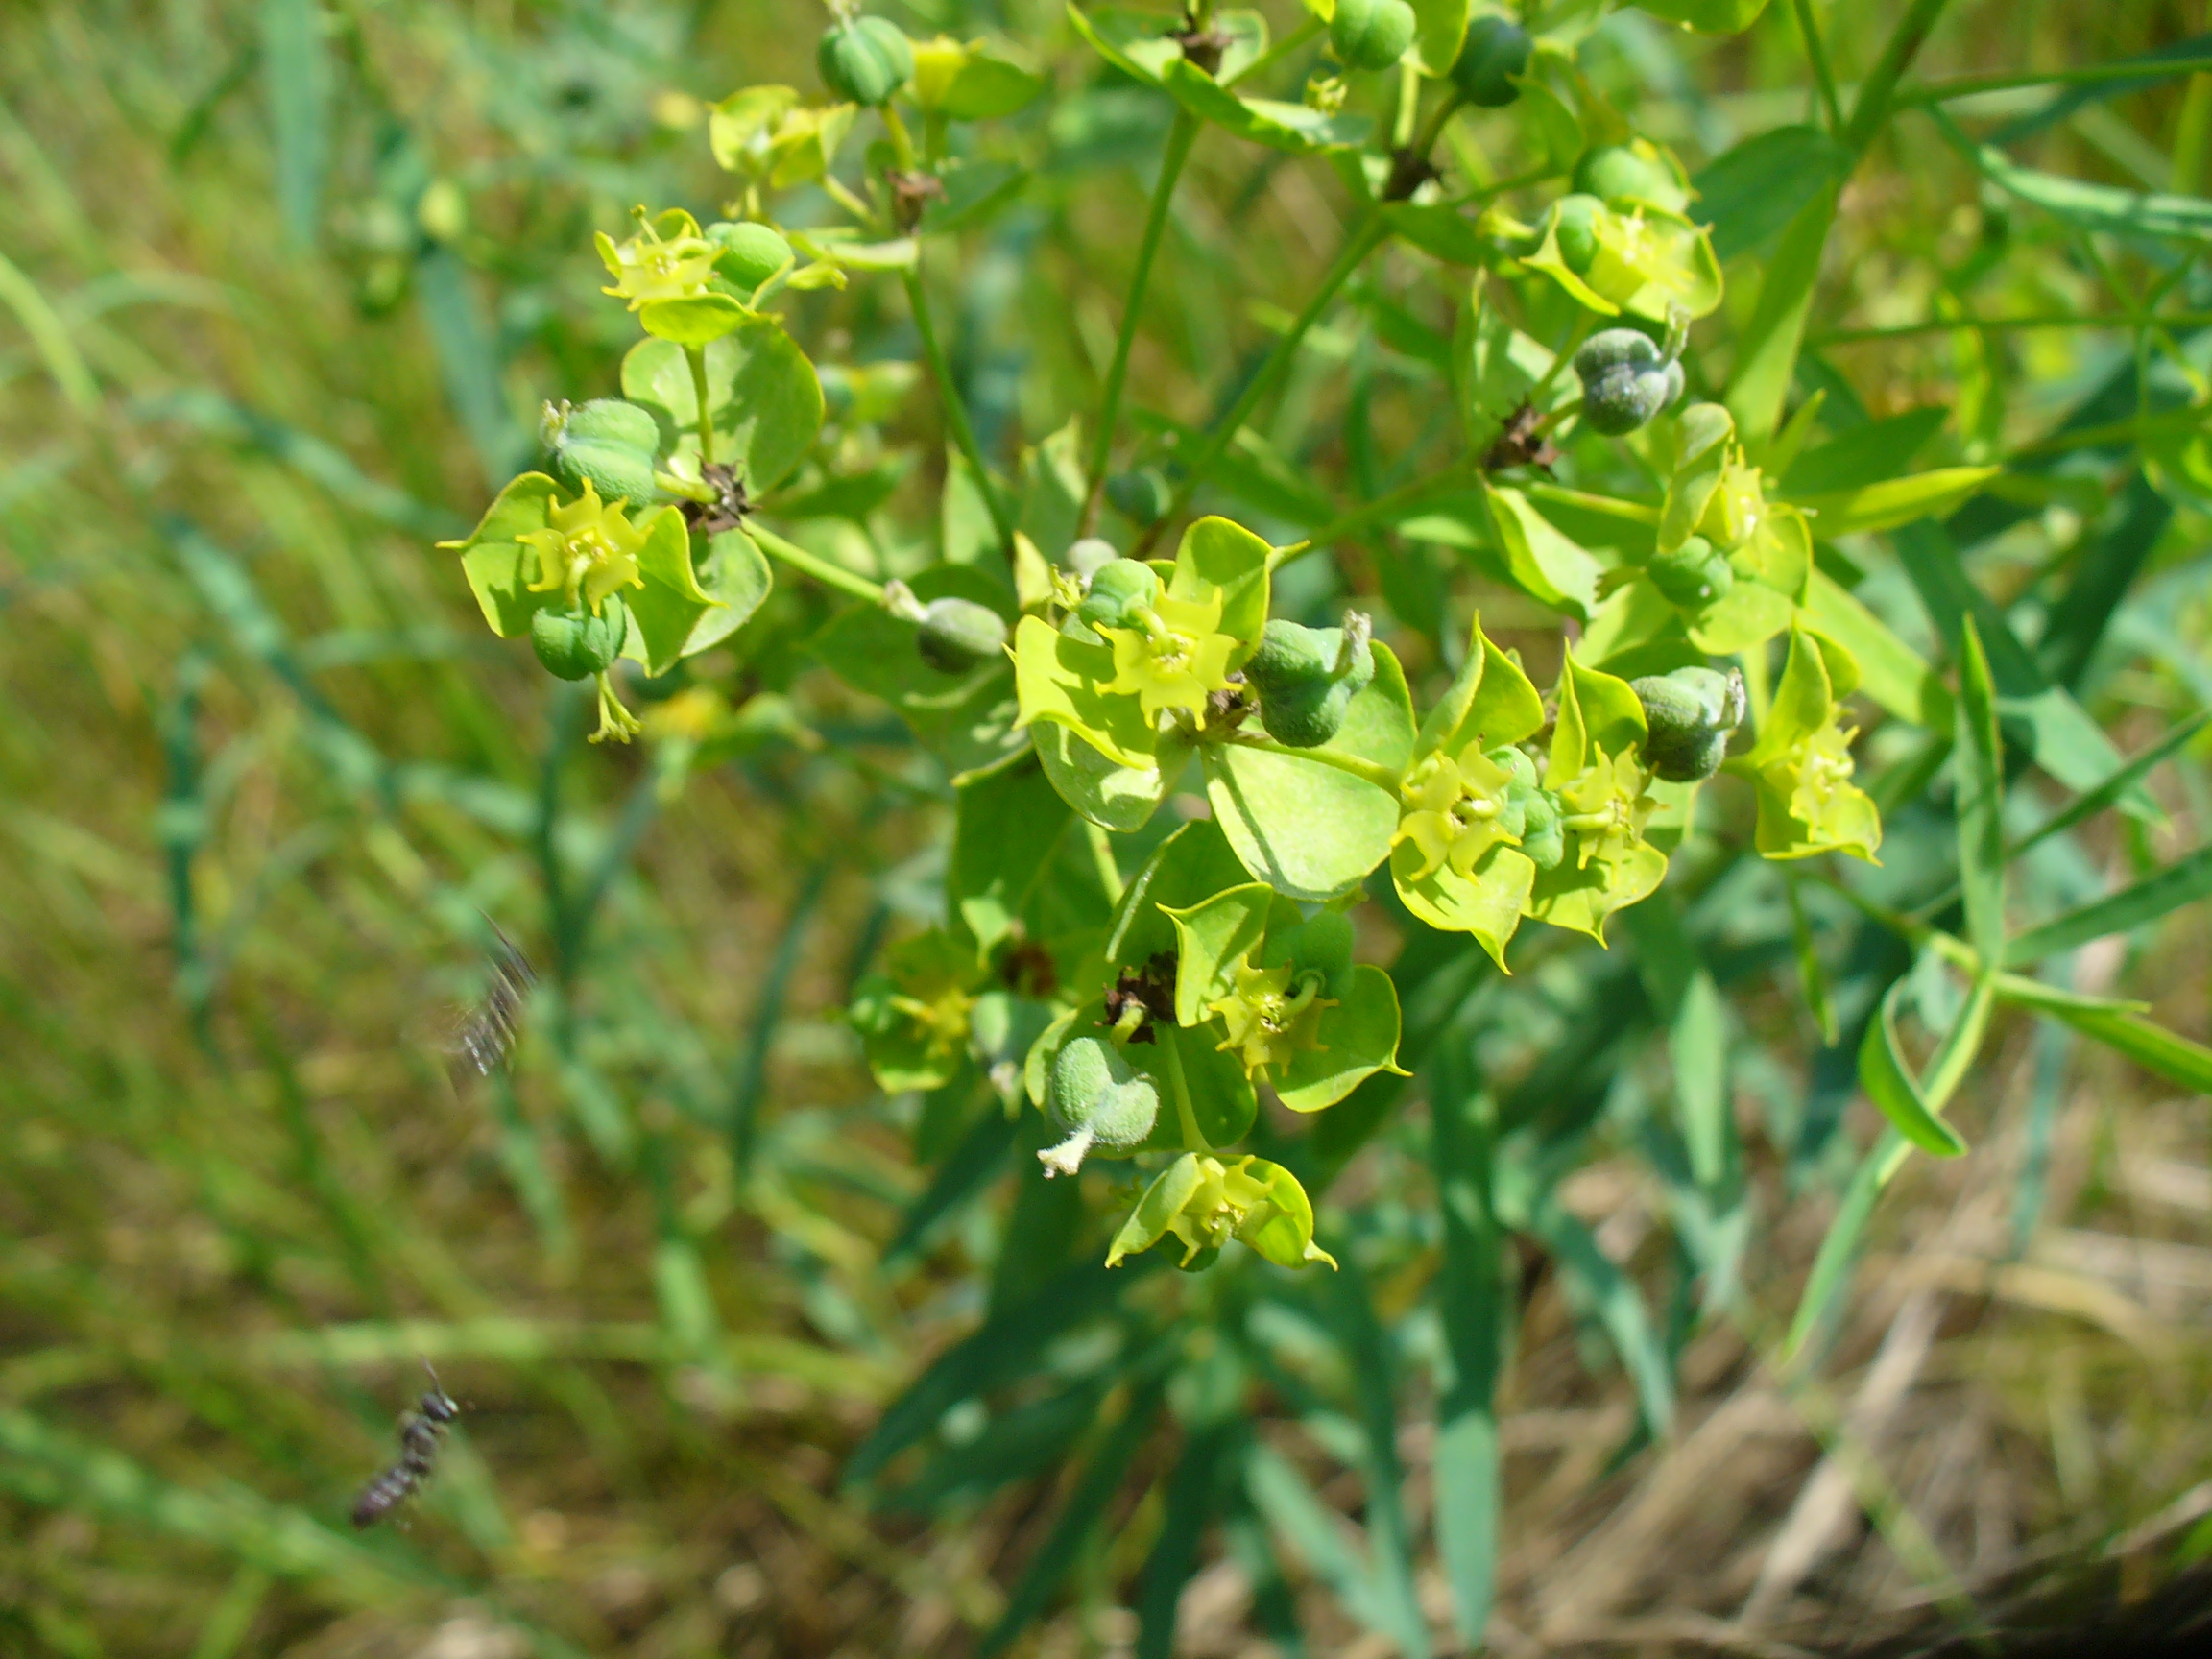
419 1432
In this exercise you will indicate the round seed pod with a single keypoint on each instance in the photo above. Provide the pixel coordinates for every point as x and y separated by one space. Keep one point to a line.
1371 34
576 644
1306 678
957 633
1626 382
1142 496
1117 587
606 443
865 59
1094 1089
1630 172
1693 575
1542 838
747 254
1689 715
1575 221
1495 49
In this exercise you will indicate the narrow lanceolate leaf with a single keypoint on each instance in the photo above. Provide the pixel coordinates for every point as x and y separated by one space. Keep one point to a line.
2119 783
1890 671
2179 883
1471 1306
1767 357
1832 1266
1979 763
1367 1347
1193 1494
1895 501
296 72
1618 1305
1315 1534
2151 1046
1889 1081
2088 206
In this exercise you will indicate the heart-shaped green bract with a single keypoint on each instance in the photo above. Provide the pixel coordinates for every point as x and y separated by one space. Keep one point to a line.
761 393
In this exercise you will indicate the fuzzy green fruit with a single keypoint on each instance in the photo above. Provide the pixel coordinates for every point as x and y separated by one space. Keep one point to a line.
1495 49
1619 174
1117 588
1693 575
1306 678
1542 837
865 59
1626 382
1575 220
1097 1100
1689 715
575 644
1371 34
748 254
608 444
957 633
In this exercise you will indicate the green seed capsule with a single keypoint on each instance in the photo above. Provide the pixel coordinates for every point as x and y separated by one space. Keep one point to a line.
1543 838
1117 587
1495 49
1693 575
1626 382
606 443
748 254
1625 173
1371 34
865 59
957 633
1097 1100
576 644
1690 715
1306 678
1575 220
1142 496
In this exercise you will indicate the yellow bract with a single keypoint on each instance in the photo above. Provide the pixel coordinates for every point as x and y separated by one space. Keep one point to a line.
587 551
649 267
1267 1021
1607 804
1450 812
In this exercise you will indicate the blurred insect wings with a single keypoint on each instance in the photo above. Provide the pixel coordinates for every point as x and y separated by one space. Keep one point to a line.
483 1038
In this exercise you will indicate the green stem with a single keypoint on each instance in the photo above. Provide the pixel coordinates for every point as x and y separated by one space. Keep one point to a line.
1969 85
1630 511
1180 138
1275 54
1102 854
696 355
1382 507
1366 238
1586 324
1367 771
821 569
901 146
1178 1085
1878 92
1823 77
955 410
2010 324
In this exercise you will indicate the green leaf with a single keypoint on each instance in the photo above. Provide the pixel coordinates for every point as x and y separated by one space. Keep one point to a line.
735 573
1751 193
1285 1236
1767 357
1206 1101
1697 1043
1063 680
1441 229
1190 866
967 719
295 78
1292 128
1306 828
1977 760
1495 367
2151 1046
1613 1298
1100 788
761 393
1156 1211
1492 702
2101 207
1193 1500
1895 676
1213 940
1053 490
989 87
1006 825
499 569
1890 1082
1598 713
1896 501
1219 553
669 606
1315 1533
692 321
2181 883
1359 1038
2120 782
1874 453
1544 561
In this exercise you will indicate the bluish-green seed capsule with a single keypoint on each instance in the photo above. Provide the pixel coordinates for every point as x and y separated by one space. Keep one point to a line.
1626 381
1116 589
576 644
865 59
1689 717
1098 1100
1495 49
957 633
1576 223
747 254
1693 575
1371 34
608 444
1306 677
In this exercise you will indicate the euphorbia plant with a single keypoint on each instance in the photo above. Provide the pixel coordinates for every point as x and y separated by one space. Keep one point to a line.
1218 739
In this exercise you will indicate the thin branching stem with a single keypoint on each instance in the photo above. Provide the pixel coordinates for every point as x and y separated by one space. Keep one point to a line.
955 409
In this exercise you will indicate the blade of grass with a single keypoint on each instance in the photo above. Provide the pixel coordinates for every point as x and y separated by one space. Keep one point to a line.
751 1080
1978 762
2181 883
